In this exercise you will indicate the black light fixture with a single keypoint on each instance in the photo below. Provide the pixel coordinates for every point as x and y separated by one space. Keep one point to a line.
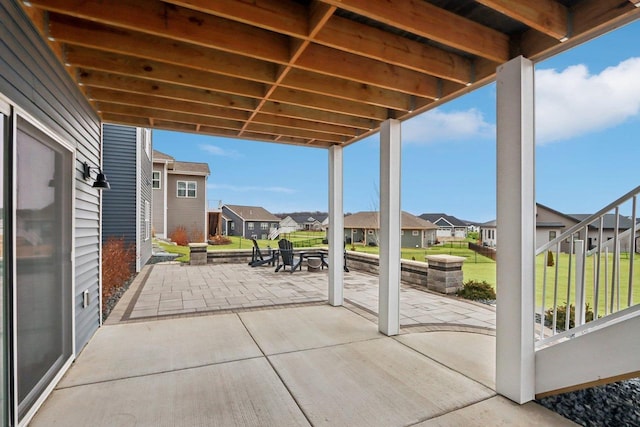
101 182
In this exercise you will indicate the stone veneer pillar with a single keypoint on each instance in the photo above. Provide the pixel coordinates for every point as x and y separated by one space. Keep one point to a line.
198 253
445 273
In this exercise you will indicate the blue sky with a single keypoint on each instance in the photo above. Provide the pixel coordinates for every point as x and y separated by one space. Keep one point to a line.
587 153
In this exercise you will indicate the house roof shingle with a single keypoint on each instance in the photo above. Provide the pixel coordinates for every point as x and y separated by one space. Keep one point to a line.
190 168
253 213
436 217
157 155
371 220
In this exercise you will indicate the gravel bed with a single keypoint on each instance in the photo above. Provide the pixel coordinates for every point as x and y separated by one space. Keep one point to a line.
115 297
615 404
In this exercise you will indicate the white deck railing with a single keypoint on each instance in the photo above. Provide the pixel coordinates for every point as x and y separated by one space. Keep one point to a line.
596 282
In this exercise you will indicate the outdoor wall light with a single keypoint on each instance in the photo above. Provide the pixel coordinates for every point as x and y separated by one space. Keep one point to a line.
101 182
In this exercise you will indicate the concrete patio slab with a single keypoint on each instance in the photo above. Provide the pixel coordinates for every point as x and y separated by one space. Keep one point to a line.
242 393
292 329
379 382
498 412
121 351
473 355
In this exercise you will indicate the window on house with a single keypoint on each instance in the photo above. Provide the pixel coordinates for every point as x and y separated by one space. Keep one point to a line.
552 235
249 226
147 220
155 180
232 225
187 189
415 233
264 226
402 232
370 232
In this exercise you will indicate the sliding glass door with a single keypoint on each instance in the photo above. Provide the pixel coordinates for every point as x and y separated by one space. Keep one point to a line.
43 282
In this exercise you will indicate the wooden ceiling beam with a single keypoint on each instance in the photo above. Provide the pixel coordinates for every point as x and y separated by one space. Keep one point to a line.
547 16
149 101
99 79
288 122
166 20
345 89
296 133
339 33
321 102
172 116
429 21
350 36
329 61
127 42
305 113
158 71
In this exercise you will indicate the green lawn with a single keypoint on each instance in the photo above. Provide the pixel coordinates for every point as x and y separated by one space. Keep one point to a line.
563 274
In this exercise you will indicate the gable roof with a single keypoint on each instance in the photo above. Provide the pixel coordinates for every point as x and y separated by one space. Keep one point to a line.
370 219
304 217
609 221
252 213
159 156
437 218
190 168
178 167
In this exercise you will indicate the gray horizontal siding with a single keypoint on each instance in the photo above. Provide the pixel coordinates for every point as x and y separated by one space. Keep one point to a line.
146 168
119 164
33 79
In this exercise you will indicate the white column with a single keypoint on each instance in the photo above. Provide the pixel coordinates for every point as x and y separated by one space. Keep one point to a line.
336 227
389 288
515 240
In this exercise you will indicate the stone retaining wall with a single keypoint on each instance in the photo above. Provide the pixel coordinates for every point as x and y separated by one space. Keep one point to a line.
411 272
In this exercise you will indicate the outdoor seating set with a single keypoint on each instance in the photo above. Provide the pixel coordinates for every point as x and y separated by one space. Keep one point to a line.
286 256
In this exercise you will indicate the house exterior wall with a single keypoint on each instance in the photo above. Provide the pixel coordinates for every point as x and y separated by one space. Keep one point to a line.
32 78
238 225
158 205
187 212
33 81
488 236
258 228
128 169
546 216
145 197
119 165
408 240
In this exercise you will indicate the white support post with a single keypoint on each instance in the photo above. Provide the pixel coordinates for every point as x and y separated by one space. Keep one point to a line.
389 287
336 227
515 351
579 251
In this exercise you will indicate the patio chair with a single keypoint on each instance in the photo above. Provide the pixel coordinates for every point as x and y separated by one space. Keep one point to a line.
258 259
287 257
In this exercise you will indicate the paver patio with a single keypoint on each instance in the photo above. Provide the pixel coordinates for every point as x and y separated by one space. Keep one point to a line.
171 289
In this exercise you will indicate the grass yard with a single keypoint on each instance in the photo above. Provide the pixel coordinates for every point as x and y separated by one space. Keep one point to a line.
563 274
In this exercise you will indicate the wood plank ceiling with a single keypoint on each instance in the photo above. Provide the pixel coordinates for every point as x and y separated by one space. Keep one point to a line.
315 73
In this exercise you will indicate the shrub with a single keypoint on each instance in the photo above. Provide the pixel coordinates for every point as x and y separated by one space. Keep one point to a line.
117 265
562 316
219 240
475 291
550 262
179 236
196 235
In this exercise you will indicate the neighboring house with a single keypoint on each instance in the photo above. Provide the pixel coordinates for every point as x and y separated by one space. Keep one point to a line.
363 227
311 221
248 221
488 233
551 223
126 208
449 227
288 225
179 197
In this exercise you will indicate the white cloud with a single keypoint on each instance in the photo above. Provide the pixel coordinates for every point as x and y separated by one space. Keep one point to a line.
283 190
573 102
438 126
217 151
